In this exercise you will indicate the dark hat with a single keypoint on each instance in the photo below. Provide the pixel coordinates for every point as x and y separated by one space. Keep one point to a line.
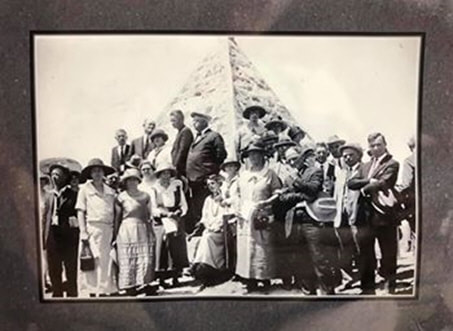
285 143
230 161
131 173
269 137
93 163
134 162
294 131
276 121
335 139
254 146
165 166
353 146
260 110
158 133
197 114
59 166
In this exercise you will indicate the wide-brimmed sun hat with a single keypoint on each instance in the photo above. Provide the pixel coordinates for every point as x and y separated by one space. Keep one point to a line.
274 122
134 162
253 147
285 143
163 167
93 163
258 109
64 168
131 173
230 162
158 133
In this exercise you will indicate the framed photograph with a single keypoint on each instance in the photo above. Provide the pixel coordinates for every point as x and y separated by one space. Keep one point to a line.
229 166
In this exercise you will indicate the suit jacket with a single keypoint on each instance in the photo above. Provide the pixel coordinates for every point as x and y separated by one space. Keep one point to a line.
306 187
180 149
386 174
205 156
138 147
117 162
63 207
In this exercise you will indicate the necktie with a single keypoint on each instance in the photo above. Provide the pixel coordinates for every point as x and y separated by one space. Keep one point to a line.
146 143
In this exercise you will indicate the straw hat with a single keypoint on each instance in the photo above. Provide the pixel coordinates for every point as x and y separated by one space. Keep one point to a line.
202 115
165 166
93 163
353 146
285 143
158 133
334 140
230 161
131 173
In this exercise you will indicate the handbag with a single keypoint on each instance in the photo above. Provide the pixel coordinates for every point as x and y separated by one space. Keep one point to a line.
261 219
86 257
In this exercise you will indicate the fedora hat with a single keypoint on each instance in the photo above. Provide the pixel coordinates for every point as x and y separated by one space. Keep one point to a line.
269 138
158 133
131 173
93 163
230 161
285 143
260 110
202 115
334 140
163 167
323 209
353 146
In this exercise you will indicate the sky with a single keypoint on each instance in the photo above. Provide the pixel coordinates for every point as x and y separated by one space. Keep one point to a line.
88 86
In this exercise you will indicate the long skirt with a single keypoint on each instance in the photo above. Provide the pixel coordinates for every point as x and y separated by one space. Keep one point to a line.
211 250
255 252
99 280
135 249
171 252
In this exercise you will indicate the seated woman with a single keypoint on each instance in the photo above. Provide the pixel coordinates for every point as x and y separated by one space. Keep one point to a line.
209 264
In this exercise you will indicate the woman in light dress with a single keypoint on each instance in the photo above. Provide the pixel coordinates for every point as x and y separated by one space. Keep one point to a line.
255 251
95 213
209 265
134 237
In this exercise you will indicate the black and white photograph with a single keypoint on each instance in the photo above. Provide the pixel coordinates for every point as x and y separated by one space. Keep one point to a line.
237 166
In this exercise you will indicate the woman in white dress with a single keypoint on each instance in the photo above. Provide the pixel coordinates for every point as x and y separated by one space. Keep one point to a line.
161 153
95 210
209 265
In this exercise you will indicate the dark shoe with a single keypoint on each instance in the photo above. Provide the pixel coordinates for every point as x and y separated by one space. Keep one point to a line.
175 282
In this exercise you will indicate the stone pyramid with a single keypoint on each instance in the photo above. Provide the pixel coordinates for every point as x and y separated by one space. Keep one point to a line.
223 85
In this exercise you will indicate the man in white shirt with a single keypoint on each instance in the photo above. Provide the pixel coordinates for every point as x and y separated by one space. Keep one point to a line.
122 152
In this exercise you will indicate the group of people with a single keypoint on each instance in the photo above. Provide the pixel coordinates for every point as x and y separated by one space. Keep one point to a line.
280 210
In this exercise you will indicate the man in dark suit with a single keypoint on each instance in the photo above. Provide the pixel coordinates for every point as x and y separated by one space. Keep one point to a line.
121 153
206 154
313 242
376 180
60 232
182 143
141 146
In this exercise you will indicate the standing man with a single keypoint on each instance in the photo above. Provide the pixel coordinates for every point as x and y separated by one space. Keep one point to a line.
61 235
347 221
206 154
376 180
143 145
121 153
183 140
328 168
